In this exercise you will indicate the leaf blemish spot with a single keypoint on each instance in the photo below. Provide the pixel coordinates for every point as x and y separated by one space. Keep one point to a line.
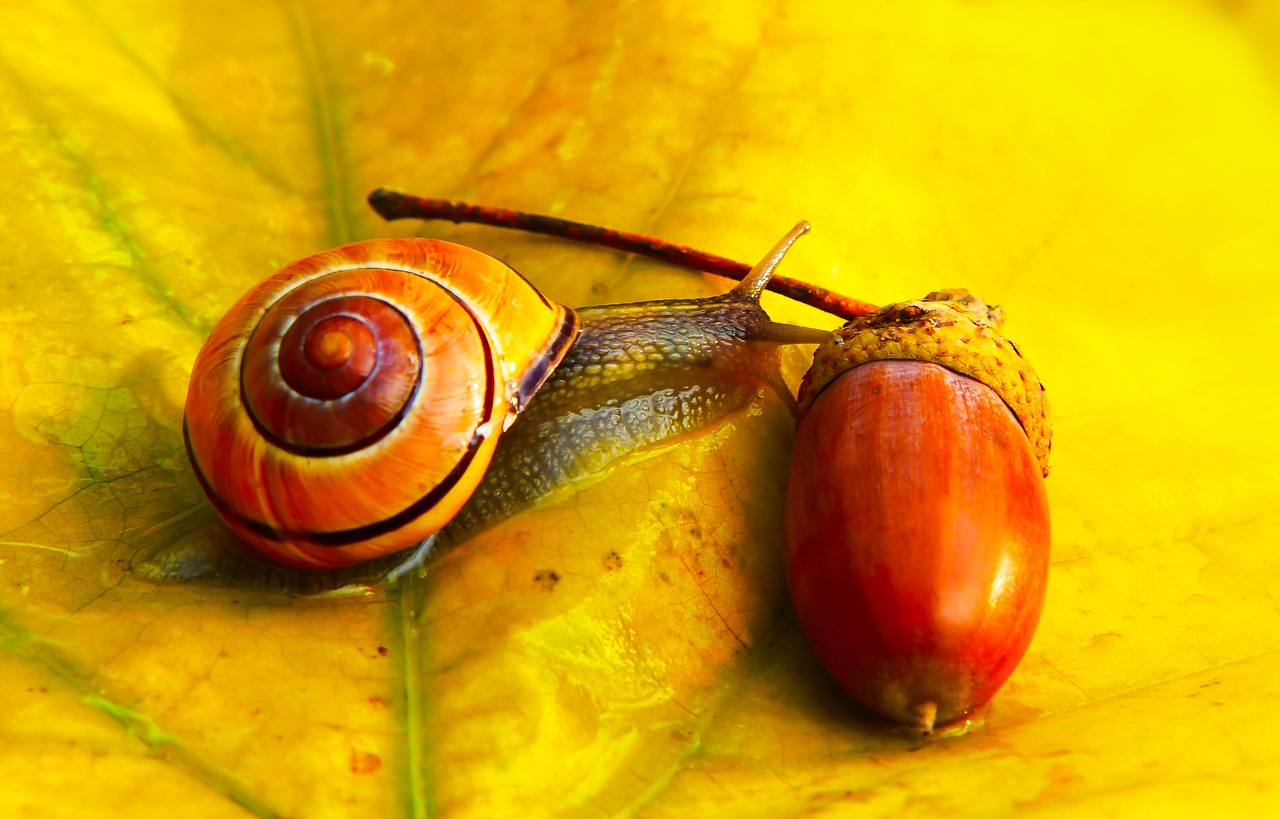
547 579
363 762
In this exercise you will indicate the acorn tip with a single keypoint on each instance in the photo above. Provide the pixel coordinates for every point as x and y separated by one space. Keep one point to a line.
925 713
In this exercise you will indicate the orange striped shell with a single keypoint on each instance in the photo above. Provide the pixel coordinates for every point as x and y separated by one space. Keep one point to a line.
347 406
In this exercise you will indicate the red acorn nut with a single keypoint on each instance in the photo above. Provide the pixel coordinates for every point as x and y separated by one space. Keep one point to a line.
917 521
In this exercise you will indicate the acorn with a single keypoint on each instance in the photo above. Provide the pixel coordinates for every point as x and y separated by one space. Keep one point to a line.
917 520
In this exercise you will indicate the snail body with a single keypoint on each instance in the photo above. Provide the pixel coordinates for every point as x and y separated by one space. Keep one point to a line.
638 374
917 521
349 406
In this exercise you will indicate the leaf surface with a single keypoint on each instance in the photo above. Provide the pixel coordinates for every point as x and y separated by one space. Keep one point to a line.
1106 172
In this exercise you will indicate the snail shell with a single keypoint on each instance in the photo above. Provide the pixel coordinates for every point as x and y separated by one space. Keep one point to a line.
347 406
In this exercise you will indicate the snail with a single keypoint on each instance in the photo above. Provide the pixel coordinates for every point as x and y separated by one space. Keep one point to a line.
349 406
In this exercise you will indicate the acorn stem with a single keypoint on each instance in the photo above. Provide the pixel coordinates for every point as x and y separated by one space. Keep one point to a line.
925 713
391 205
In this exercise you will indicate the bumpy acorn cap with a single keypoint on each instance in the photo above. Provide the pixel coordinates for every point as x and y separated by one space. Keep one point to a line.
952 329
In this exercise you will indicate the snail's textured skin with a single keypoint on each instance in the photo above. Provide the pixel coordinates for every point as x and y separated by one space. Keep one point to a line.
638 374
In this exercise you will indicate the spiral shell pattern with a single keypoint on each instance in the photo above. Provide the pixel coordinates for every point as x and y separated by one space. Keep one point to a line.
348 406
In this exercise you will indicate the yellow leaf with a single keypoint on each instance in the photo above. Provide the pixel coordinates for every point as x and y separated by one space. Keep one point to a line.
1106 172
